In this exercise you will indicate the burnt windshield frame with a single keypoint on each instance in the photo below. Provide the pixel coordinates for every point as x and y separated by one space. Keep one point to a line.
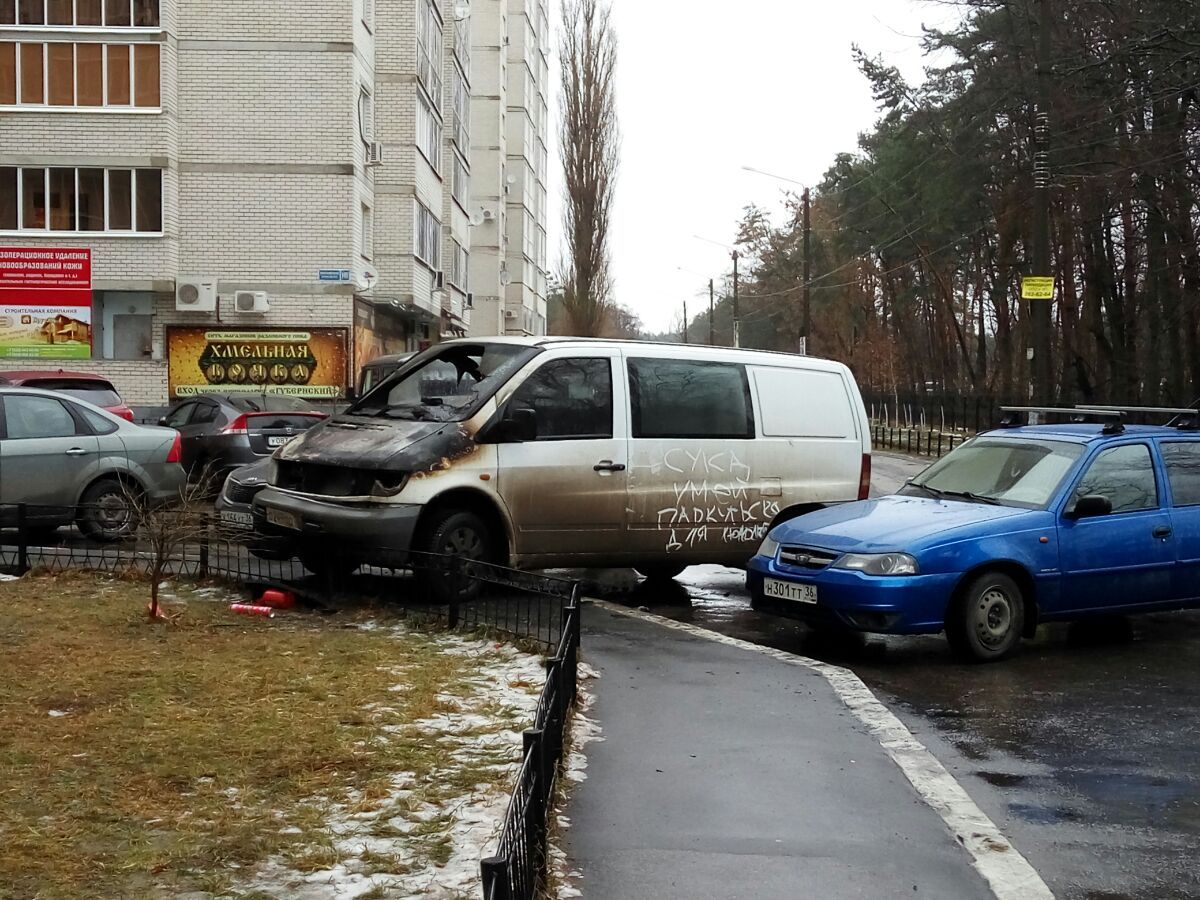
520 357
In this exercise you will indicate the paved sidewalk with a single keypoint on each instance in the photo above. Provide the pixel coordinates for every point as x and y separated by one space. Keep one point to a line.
727 774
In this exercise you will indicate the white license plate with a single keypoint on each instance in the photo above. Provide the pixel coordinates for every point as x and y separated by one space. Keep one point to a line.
279 441
232 517
787 590
283 519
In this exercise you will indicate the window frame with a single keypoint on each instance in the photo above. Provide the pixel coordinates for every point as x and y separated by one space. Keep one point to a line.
105 106
428 119
422 217
635 400
107 231
1072 495
43 26
1166 466
612 398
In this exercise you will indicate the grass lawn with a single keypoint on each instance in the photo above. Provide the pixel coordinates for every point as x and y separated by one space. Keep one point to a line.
242 757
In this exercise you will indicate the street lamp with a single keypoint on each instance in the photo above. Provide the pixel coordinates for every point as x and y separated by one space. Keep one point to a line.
737 322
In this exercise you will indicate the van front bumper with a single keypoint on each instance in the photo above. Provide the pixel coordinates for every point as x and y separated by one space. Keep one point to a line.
911 604
364 528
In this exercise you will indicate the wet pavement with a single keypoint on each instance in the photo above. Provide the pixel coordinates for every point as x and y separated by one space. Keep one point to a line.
1084 748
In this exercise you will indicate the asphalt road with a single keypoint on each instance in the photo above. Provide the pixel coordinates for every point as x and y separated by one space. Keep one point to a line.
1084 748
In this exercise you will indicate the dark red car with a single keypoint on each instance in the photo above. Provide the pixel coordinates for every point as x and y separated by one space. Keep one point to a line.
89 388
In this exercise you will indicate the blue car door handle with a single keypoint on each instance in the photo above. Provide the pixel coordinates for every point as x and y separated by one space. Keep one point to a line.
1162 531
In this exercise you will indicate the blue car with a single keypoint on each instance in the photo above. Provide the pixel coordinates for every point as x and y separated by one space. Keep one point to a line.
1016 527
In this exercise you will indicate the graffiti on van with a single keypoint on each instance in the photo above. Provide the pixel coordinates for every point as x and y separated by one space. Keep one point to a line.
713 501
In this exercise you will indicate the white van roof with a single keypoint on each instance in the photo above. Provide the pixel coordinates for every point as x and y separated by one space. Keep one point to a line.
681 351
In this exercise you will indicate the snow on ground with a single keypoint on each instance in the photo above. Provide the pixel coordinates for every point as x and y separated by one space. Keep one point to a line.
486 726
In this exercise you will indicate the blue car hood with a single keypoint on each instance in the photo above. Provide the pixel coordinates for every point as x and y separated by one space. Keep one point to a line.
900 523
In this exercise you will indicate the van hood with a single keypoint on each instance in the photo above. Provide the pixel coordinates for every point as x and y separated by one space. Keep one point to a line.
388 446
900 523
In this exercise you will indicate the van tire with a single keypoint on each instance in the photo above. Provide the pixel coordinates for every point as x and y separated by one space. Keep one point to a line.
659 571
986 618
458 533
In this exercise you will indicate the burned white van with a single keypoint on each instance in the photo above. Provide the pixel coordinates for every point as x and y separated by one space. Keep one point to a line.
546 452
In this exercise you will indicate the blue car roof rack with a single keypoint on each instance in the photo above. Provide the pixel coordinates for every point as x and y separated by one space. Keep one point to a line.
1017 416
1183 418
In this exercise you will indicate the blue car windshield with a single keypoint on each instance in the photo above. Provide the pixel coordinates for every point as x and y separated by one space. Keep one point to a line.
1012 472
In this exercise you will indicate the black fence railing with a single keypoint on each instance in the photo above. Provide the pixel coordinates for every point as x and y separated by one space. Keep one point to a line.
941 411
517 870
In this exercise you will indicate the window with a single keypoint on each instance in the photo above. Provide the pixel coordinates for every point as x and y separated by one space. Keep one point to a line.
368 16
81 13
366 115
66 75
1125 475
460 181
428 229
459 266
461 132
573 399
429 134
1182 460
683 399
204 414
78 200
429 49
36 417
368 233
178 417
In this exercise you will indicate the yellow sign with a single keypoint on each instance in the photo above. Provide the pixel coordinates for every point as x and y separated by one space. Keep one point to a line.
310 363
1037 288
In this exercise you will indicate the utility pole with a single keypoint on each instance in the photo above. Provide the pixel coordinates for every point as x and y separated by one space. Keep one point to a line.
685 322
1040 318
737 329
807 198
712 319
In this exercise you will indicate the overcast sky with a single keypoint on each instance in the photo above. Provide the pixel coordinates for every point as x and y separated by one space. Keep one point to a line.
706 88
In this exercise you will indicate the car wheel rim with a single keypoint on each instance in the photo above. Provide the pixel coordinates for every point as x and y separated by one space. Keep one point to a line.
994 618
112 512
464 542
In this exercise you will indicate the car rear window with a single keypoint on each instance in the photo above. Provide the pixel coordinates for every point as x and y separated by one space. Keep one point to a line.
255 403
100 393
271 421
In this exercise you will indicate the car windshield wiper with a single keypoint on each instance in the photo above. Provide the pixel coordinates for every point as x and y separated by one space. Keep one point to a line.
931 491
968 495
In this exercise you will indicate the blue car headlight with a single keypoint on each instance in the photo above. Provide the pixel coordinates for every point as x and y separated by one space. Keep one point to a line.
878 563
768 547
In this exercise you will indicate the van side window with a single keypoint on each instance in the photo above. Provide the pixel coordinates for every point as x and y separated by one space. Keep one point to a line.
573 399
675 398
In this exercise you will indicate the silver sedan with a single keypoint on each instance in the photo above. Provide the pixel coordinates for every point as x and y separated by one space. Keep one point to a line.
69 461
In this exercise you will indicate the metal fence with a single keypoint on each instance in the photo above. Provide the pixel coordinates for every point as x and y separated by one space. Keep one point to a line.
929 424
517 870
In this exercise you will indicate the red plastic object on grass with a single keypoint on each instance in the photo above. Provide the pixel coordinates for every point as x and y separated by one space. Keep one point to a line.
250 609
278 599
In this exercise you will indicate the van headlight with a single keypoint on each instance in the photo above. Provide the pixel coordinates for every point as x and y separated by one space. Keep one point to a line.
878 563
768 547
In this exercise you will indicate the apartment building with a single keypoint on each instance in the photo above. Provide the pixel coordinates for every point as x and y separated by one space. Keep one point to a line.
510 109
217 195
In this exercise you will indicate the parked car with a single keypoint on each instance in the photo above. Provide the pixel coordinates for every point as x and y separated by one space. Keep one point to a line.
71 461
379 369
90 388
235 511
1014 528
223 431
560 451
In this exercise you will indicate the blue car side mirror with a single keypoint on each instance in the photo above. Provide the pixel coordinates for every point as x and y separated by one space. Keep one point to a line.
1090 507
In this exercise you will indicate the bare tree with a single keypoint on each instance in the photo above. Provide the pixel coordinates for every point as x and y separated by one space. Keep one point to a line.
590 149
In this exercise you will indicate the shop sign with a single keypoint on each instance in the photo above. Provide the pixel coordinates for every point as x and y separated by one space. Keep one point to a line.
310 363
45 303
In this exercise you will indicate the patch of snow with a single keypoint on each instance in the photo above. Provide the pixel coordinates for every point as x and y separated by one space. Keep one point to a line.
58 713
9 578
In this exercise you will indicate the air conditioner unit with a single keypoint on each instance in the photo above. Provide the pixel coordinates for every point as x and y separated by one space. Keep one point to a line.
470 302
196 293
439 280
374 154
510 314
488 215
251 302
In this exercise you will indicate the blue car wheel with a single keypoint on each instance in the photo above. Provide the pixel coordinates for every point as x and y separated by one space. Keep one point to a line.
987 618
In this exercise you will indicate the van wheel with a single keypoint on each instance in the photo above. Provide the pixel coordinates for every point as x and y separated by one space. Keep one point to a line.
986 619
660 571
457 533
108 511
